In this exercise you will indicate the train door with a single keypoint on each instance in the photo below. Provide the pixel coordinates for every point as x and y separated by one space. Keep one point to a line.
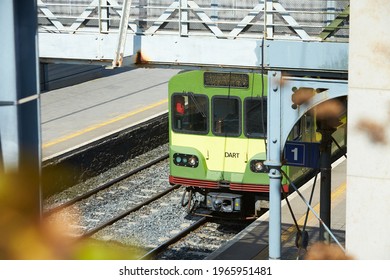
226 123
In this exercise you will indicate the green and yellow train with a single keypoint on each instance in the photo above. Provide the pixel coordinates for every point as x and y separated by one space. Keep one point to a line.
217 140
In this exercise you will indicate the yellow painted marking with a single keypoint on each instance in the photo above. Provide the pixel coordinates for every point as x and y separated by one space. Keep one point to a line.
288 233
99 125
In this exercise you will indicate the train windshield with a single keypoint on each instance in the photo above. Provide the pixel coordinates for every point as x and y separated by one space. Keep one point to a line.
190 113
226 116
255 111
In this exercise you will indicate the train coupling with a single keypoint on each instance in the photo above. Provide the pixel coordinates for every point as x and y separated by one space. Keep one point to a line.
224 202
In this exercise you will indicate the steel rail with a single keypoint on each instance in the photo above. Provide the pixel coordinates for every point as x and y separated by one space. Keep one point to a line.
174 239
127 212
104 186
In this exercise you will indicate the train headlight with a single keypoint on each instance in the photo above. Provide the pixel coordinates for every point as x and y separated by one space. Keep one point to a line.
185 160
192 161
258 166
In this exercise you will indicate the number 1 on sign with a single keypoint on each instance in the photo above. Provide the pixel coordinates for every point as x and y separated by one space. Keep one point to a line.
295 152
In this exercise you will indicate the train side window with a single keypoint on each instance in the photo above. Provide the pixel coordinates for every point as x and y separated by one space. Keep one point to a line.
296 132
226 116
190 113
309 128
255 117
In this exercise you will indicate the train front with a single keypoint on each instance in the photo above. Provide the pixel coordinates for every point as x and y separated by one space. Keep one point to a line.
217 125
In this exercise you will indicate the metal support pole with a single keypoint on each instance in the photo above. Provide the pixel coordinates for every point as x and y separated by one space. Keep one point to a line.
183 18
326 176
19 99
214 12
143 14
122 35
275 220
331 10
269 19
274 163
104 13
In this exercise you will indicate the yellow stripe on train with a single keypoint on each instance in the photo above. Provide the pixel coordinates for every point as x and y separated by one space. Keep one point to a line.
222 153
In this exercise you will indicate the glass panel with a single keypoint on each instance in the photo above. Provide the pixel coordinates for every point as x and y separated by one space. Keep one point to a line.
226 116
255 117
189 113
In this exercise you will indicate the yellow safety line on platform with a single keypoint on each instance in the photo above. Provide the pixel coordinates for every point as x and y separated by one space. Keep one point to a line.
286 235
99 125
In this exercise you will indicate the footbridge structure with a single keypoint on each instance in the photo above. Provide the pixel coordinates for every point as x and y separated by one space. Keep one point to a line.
282 34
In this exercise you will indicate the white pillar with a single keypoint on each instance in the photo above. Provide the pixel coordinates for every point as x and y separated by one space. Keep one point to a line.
368 171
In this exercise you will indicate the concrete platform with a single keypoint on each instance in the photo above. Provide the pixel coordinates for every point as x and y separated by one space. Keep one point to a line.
74 116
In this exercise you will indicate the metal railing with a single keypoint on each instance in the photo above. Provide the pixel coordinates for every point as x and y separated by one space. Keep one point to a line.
314 20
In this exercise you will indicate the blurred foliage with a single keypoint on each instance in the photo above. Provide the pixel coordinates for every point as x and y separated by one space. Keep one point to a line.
24 235
323 251
101 250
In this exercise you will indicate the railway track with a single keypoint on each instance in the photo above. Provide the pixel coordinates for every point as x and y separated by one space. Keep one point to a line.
164 246
104 186
102 206
129 211
141 211
197 241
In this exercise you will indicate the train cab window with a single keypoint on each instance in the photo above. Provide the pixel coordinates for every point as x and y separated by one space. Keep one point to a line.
190 113
255 117
226 116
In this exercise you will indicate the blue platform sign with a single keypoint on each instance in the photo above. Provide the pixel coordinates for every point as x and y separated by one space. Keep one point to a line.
305 154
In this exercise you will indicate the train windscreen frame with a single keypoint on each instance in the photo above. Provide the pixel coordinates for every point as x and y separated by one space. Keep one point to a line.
226 117
190 113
